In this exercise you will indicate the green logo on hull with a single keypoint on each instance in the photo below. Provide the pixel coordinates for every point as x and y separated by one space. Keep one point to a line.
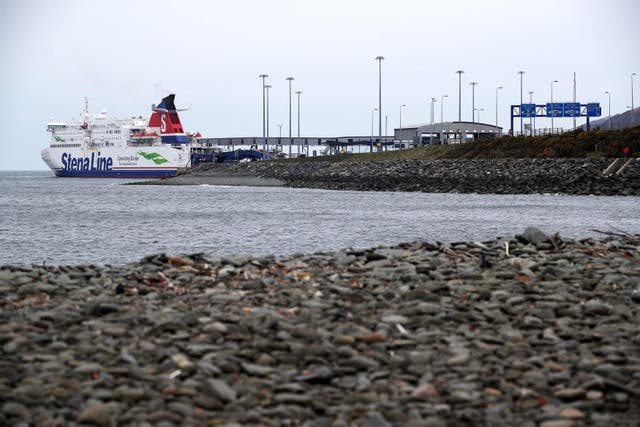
57 138
155 157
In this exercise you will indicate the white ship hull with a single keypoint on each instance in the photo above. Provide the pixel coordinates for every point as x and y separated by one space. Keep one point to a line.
154 161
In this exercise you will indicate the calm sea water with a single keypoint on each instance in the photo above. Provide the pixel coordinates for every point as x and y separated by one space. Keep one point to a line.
71 221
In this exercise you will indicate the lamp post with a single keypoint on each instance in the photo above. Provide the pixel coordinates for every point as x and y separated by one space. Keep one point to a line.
267 87
372 115
497 89
386 125
379 59
632 112
290 79
299 92
609 93
460 72
372 118
530 118
555 81
442 107
479 111
574 97
473 101
433 101
280 130
403 105
521 127
263 77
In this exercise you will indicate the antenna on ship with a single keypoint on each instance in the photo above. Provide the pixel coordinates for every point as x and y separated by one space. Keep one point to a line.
85 114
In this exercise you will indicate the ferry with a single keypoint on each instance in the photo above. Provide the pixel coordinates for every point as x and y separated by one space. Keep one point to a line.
102 147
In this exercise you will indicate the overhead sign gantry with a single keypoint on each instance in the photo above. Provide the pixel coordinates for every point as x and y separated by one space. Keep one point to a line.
556 109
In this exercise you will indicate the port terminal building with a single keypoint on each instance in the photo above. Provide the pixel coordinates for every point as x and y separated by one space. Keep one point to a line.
445 133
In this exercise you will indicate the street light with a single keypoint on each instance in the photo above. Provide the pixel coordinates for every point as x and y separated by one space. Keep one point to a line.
299 92
574 97
280 130
403 105
379 59
632 112
267 87
442 107
531 118
290 139
555 81
479 110
521 127
263 77
460 72
371 145
473 101
609 93
372 118
433 101
497 89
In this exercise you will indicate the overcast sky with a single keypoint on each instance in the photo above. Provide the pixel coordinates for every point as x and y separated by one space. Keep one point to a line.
126 55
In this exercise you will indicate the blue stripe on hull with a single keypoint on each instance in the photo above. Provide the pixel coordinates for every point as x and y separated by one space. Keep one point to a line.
120 173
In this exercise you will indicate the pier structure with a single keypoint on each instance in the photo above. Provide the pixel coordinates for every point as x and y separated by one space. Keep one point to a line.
304 146
404 137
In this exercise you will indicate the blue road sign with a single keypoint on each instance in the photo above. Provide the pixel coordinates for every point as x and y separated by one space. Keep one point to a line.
594 110
554 109
571 109
528 110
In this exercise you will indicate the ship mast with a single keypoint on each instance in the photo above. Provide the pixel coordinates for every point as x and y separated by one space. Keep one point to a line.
85 114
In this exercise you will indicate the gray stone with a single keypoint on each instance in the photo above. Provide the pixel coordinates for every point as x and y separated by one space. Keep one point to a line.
220 390
558 423
296 399
460 356
373 419
596 307
17 410
534 235
395 318
257 370
96 414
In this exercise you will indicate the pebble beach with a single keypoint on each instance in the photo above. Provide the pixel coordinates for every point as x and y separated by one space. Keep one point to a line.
525 330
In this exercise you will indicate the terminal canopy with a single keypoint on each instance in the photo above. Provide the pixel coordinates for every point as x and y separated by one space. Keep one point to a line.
447 132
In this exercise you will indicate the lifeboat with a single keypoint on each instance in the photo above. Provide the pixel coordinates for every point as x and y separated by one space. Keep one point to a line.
145 135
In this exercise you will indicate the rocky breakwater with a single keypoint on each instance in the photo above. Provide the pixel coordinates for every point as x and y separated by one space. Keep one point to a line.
531 330
483 176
